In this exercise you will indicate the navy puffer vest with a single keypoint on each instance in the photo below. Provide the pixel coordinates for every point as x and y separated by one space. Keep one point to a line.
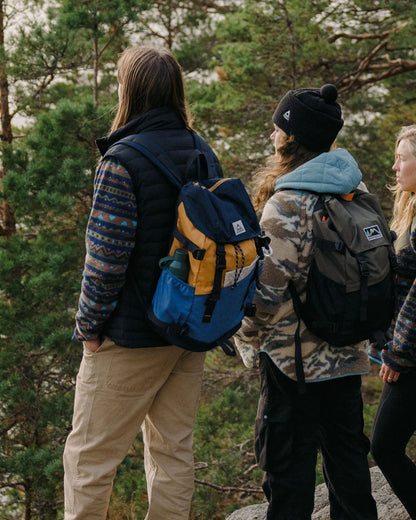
156 198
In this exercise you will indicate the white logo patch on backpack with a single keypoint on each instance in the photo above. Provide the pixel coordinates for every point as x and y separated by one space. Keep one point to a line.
238 227
373 232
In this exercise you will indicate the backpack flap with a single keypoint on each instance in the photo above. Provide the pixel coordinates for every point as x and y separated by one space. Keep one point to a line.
350 288
211 213
360 227
222 209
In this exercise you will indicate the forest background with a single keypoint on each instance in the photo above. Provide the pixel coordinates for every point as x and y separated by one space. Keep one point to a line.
57 95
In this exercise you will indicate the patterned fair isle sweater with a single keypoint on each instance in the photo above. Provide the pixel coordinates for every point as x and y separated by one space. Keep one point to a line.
400 350
109 240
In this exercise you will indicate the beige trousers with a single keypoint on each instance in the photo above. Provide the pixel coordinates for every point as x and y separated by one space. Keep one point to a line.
119 390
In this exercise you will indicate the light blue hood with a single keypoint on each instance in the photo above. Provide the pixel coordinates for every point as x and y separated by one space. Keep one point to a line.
330 172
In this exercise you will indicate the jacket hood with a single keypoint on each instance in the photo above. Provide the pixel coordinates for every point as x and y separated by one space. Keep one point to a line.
330 172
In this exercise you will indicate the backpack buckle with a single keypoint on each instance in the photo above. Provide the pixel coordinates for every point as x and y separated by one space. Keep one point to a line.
198 254
250 310
183 331
264 240
339 246
209 308
221 263
363 266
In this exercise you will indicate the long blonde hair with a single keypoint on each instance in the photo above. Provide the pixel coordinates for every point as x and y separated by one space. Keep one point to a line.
404 208
289 155
150 77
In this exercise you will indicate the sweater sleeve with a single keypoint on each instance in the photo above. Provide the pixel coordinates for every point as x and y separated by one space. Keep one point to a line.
400 353
109 240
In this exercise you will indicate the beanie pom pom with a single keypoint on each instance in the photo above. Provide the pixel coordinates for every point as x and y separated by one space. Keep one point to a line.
329 93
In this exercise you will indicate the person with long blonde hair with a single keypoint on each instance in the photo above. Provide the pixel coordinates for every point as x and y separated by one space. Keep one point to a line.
292 426
130 378
395 420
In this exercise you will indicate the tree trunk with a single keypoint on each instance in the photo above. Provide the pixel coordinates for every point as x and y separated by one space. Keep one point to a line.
7 220
96 60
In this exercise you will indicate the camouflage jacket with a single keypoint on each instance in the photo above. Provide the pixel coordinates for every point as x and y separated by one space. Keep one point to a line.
287 220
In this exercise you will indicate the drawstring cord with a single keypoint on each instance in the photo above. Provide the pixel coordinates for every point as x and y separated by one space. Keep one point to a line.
238 271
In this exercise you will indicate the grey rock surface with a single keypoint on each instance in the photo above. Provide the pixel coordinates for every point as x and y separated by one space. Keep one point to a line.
388 505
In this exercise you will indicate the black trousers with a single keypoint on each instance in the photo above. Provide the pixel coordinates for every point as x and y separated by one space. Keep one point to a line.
394 424
291 428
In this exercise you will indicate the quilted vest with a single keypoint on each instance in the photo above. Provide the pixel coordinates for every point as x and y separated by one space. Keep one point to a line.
156 200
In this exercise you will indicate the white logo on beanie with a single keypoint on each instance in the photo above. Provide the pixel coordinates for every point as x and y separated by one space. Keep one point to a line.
286 115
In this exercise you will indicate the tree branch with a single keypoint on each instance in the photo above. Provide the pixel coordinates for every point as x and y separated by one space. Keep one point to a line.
376 73
228 489
292 39
367 36
14 485
373 68
364 64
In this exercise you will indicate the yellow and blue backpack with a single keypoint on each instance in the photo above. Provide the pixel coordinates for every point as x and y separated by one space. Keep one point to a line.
208 280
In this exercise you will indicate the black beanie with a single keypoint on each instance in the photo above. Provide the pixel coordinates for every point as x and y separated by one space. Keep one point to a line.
311 115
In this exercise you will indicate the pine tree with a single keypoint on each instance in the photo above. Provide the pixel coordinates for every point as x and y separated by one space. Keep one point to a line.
48 185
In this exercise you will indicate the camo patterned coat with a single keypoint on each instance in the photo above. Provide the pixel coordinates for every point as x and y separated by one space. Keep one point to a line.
287 220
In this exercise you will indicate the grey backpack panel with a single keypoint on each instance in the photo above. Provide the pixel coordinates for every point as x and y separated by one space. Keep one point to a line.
360 226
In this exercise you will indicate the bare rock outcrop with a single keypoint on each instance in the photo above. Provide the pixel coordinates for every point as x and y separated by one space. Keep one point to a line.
388 505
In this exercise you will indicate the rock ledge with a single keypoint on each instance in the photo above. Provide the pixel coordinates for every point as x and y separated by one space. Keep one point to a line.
388 505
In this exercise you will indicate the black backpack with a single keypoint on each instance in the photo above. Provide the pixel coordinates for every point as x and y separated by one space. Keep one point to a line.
350 287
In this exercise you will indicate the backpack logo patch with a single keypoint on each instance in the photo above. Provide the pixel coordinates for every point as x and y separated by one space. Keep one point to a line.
238 227
286 115
373 232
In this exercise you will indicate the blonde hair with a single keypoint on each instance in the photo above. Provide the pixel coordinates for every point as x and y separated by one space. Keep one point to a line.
404 201
150 77
289 155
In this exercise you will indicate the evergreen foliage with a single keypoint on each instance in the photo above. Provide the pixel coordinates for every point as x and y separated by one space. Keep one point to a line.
57 91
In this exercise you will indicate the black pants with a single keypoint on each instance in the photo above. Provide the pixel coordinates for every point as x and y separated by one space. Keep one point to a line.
394 424
290 428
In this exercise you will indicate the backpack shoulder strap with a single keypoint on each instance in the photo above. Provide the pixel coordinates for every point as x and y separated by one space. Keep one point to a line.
161 160
300 375
156 155
209 155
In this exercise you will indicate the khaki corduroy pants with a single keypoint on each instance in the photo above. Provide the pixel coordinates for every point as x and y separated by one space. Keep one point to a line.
119 391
